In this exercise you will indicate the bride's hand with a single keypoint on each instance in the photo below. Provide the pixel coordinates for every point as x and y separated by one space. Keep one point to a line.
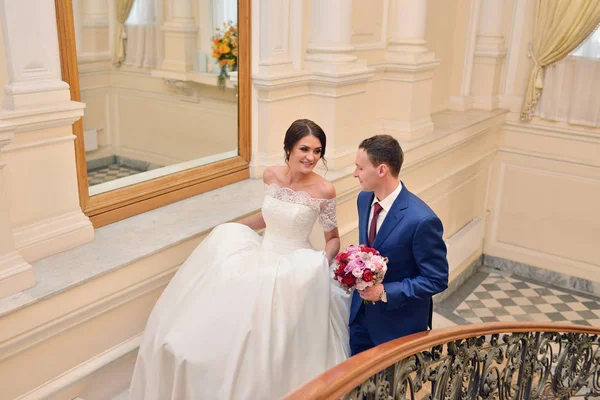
328 258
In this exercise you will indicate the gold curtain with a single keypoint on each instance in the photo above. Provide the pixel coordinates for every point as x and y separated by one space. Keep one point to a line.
560 27
122 10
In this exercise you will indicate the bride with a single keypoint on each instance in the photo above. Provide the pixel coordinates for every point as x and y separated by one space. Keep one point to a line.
247 317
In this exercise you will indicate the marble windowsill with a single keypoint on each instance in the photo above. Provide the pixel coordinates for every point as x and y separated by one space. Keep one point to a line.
204 78
135 238
141 236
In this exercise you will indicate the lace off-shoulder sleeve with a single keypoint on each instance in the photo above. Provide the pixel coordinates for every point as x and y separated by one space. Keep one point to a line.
327 217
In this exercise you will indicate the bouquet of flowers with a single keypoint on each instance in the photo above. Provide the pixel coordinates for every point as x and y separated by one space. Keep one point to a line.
359 267
225 49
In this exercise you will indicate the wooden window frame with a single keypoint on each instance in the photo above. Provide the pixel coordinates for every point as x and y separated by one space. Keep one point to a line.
109 207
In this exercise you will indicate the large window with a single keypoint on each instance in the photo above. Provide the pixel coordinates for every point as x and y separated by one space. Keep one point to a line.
142 32
571 86
159 125
590 48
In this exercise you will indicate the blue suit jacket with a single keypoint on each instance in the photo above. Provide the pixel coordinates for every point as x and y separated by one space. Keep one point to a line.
411 238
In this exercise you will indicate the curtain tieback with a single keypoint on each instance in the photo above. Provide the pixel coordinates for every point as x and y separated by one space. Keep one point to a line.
539 79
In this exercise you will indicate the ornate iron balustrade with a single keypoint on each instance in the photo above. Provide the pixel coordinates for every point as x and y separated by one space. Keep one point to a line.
505 361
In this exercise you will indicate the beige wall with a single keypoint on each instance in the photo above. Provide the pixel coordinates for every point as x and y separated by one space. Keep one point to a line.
444 25
544 198
525 34
40 159
459 39
3 66
545 186
368 21
518 25
446 36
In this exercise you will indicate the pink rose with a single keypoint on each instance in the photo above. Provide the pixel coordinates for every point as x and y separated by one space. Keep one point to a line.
352 265
353 249
362 285
348 268
357 272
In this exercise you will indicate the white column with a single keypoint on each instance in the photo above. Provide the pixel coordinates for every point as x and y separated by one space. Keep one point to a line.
511 94
407 26
33 62
489 56
95 11
94 28
489 34
276 42
180 31
330 42
181 12
405 101
38 110
16 274
277 65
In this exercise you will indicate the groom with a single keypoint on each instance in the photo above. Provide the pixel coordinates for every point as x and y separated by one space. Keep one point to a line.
406 231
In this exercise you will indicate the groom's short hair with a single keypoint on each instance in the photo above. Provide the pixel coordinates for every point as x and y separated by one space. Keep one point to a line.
384 149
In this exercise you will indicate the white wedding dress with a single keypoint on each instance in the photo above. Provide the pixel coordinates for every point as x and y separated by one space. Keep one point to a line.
247 317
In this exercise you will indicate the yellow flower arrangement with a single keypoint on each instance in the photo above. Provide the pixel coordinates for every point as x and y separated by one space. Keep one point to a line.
225 49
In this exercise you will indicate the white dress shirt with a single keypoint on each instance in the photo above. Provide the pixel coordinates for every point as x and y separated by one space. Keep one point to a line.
386 204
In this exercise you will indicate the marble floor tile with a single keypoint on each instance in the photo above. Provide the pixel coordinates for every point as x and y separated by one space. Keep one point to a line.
491 295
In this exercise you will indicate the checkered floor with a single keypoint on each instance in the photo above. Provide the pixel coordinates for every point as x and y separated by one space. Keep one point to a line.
491 296
110 173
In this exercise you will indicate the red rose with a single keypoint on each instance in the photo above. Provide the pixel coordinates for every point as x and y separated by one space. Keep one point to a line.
341 256
367 275
340 270
349 280
370 250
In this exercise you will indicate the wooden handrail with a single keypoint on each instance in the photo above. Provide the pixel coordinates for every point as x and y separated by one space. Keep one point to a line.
340 380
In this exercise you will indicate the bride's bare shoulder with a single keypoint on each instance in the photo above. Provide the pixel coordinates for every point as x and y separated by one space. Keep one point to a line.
325 189
271 175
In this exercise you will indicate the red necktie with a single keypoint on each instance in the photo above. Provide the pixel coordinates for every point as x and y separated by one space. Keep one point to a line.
373 228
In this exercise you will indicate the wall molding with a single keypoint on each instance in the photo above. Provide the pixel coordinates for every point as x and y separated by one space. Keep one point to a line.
54 234
517 28
382 42
543 156
84 370
519 253
465 88
464 243
452 147
558 279
291 80
62 114
79 316
574 133
522 253
39 143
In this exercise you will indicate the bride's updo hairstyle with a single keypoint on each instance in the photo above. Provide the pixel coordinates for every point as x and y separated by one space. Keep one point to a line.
301 128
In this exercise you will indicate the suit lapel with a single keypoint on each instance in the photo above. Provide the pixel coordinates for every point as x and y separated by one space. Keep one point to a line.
393 217
364 219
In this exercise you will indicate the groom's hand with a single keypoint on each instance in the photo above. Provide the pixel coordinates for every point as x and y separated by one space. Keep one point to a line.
372 293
